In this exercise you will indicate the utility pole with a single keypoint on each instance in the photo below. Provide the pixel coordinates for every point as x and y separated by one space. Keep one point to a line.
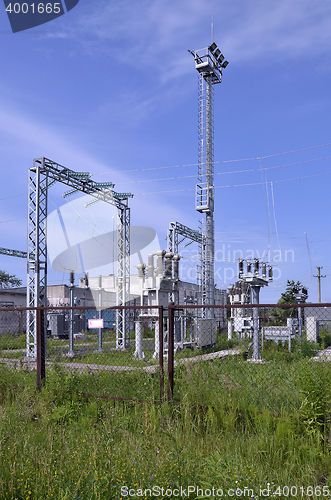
319 276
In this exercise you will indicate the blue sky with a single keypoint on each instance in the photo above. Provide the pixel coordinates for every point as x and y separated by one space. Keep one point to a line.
110 88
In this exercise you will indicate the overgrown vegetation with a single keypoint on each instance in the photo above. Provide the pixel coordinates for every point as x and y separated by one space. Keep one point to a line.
235 425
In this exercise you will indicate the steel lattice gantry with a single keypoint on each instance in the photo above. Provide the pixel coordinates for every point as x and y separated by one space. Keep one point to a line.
176 229
209 64
43 174
13 253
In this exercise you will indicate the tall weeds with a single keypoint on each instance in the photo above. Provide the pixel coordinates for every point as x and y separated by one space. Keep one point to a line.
236 424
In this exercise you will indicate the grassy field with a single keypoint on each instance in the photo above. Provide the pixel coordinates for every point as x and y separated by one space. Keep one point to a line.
236 426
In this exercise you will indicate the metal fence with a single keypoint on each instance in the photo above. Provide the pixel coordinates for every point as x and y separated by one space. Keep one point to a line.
269 356
256 350
79 349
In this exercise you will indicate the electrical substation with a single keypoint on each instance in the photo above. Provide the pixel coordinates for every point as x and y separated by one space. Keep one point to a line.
157 285
157 282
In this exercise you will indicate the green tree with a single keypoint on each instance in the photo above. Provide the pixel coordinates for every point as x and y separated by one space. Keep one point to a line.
287 297
9 280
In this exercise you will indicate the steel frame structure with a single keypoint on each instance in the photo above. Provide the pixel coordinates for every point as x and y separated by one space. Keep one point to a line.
209 64
42 175
13 253
176 229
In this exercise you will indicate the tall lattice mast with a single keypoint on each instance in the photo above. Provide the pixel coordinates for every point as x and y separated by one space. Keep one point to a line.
209 62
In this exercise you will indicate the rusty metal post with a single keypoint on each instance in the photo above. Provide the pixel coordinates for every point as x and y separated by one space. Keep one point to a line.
161 352
41 372
171 312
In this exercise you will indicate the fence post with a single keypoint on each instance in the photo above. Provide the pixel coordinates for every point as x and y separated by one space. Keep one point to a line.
171 312
41 372
161 351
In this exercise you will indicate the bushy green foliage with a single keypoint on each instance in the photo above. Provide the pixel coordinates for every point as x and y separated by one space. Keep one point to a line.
324 338
9 280
281 314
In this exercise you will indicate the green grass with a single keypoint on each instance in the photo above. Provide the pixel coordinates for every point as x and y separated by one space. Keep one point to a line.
12 341
236 425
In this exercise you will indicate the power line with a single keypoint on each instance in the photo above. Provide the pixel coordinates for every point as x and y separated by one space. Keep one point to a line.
13 196
215 162
11 220
235 185
13 206
274 212
216 173
223 173
265 188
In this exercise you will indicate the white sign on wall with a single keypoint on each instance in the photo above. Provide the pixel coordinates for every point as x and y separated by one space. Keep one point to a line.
95 323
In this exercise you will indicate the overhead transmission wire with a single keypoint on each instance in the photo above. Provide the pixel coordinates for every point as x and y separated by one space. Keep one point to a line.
274 212
265 187
215 162
13 206
310 260
234 185
216 173
139 181
12 220
13 196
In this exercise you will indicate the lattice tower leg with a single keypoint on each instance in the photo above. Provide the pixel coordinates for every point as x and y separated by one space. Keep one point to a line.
37 253
123 278
202 271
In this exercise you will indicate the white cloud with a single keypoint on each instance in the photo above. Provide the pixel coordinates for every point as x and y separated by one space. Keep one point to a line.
30 135
153 35
287 29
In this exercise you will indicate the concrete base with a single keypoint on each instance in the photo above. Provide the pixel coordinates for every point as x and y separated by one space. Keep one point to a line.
69 355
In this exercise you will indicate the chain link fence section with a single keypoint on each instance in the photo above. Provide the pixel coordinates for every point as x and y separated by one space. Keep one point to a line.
85 342
213 351
193 345
78 349
12 336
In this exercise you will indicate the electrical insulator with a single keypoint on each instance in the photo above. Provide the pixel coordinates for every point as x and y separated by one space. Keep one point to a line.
241 267
264 270
249 267
256 267
86 280
270 273
72 278
295 290
304 291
